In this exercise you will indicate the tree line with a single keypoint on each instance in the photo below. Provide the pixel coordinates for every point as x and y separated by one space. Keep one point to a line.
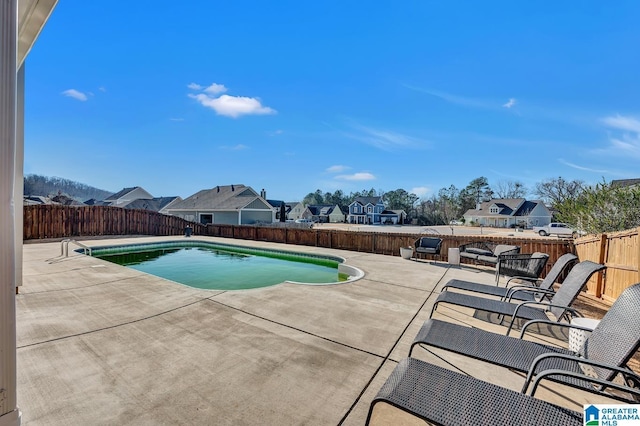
54 186
593 208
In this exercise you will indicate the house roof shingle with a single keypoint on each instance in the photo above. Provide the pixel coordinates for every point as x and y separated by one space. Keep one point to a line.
222 197
119 194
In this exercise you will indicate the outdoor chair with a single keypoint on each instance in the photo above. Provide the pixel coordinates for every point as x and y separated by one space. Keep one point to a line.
558 306
522 265
428 246
486 252
606 351
444 397
521 291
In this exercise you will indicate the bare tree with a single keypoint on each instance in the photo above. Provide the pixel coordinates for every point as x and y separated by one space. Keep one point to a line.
510 189
556 191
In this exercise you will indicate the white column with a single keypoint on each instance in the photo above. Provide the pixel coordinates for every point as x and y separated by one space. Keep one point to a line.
18 185
9 413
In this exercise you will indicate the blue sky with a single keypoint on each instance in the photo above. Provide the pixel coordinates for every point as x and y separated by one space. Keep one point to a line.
294 96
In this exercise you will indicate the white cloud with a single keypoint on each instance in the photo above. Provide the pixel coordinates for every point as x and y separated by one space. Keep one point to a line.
275 133
75 94
420 191
215 89
233 106
357 176
455 99
510 103
384 139
239 147
337 169
176 119
479 103
226 105
102 89
626 141
619 122
587 169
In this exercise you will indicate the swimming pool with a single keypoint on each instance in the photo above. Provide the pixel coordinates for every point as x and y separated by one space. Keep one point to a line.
218 266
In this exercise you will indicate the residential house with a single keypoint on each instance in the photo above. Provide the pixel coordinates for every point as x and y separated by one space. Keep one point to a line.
509 212
35 200
228 204
136 198
371 211
277 209
398 217
336 215
295 210
61 199
323 213
621 183
365 210
127 195
156 204
277 206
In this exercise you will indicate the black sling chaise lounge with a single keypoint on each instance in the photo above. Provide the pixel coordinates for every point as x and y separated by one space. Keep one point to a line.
559 305
607 350
544 289
444 397
523 264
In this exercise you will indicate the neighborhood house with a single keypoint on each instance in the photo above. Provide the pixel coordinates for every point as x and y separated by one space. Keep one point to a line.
228 204
509 212
371 211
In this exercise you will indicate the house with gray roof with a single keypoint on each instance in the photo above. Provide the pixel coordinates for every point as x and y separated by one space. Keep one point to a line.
323 213
127 195
621 183
509 212
225 204
295 210
156 204
371 211
365 210
136 198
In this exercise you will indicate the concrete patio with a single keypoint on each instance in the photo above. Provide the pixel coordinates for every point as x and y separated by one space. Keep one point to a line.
102 344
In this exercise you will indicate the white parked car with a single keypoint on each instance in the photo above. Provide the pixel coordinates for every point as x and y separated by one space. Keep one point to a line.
556 228
304 220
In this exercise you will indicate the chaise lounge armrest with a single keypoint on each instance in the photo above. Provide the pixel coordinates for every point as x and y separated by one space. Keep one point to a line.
604 382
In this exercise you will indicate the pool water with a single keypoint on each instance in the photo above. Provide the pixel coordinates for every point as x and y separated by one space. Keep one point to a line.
225 268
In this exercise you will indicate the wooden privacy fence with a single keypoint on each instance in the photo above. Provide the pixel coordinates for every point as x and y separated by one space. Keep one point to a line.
620 252
54 221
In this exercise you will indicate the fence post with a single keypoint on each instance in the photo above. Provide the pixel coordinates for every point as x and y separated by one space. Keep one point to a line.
638 253
601 260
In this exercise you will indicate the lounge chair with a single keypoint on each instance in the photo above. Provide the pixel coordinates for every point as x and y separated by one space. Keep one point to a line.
544 290
521 265
559 305
444 397
486 252
607 350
